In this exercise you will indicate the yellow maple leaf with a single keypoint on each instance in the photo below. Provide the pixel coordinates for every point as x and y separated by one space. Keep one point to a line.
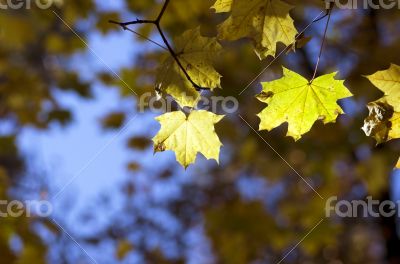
188 135
196 54
388 81
293 99
266 22
383 121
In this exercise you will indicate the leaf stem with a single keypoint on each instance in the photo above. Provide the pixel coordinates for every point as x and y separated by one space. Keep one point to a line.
329 13
167 46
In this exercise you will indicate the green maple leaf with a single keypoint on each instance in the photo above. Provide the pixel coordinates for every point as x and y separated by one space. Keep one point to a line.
188 135
196 54
383 122
293 99
266 22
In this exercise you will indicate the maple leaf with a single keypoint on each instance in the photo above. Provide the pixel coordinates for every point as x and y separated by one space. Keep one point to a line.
196 54
188 135
293 99
266 22
383 122
388 81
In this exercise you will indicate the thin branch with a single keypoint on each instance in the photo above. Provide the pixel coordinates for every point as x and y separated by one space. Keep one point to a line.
124 25
142 36
325 15
162 11
168 47
322 44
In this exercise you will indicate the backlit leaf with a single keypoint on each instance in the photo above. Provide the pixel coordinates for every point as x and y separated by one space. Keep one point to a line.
196 54
188 135
383 122
266 22
293 99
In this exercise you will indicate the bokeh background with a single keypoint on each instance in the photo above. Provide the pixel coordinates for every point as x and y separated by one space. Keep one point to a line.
71 134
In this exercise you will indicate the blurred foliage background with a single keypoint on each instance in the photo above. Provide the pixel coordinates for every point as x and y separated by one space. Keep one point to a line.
252 208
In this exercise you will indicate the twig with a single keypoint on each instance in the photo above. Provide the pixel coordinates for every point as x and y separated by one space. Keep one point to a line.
326 14
329 13
318 18
146 38
168 47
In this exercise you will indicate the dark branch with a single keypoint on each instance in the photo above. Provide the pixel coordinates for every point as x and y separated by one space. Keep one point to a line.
136 22
162 11
325 15
137 33
168 47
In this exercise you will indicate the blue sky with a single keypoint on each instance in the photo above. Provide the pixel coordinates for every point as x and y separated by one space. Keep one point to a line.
83 148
